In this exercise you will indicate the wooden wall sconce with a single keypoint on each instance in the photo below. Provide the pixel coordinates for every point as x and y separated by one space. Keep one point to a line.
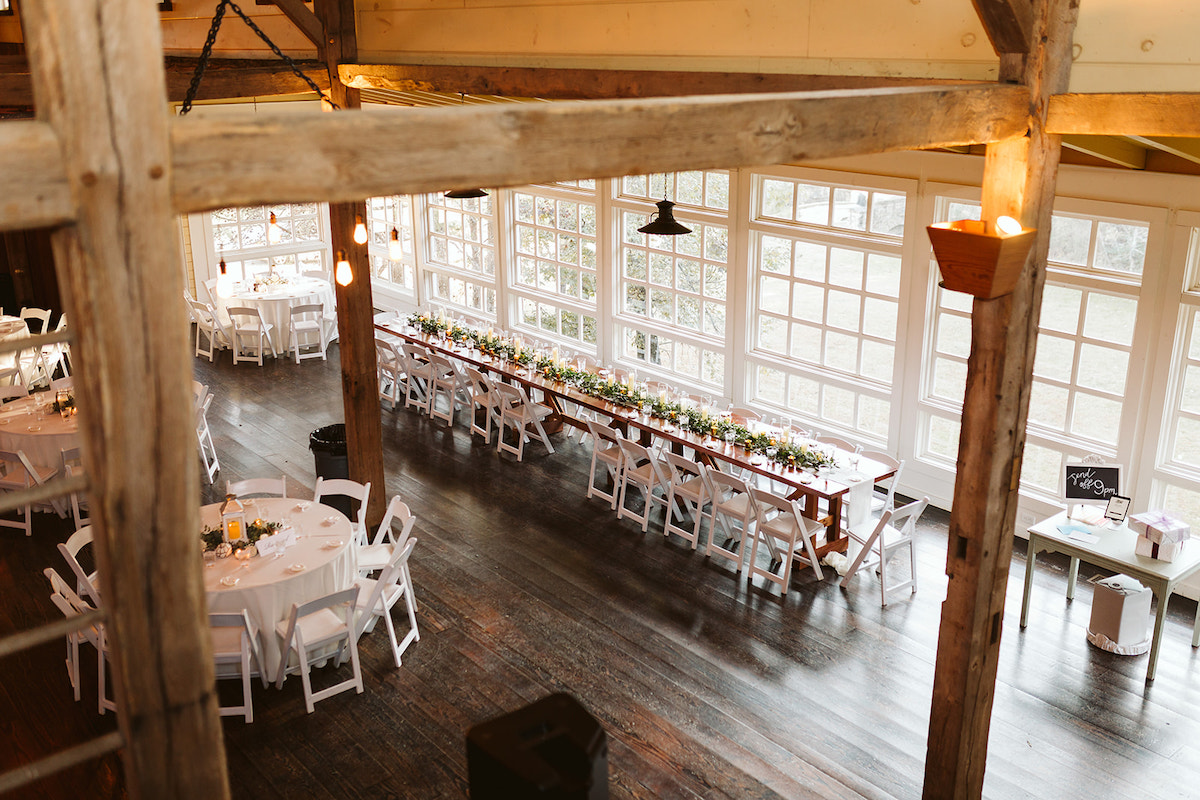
981 258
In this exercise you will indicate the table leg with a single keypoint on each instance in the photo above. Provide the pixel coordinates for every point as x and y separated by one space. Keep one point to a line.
1072 574
1030 562
1160 617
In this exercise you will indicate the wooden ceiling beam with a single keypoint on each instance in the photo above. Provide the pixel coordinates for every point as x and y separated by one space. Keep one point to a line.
1187 149
280 157
1154 114
1007 23
224 79
1113 149
598 84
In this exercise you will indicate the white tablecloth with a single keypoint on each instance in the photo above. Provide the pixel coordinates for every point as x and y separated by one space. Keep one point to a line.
268 586
276 302
43 441
11 328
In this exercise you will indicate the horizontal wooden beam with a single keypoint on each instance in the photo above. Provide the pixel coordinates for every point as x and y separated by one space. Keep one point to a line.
597 84
223 79
1154 114
33 183
286 157
1007 23
1113 149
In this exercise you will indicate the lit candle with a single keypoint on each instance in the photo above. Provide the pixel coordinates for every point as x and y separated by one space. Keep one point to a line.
554 355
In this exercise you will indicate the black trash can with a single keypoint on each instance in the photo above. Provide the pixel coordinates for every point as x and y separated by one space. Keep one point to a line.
328 445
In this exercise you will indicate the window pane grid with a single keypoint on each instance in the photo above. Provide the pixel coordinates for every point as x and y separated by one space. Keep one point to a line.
462 234
383 215
679 358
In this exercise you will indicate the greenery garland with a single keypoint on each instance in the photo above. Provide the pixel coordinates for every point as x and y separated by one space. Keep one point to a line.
58 405
254 531
691 419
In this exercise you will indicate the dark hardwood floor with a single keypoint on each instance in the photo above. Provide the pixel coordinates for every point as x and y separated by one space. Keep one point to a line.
707 688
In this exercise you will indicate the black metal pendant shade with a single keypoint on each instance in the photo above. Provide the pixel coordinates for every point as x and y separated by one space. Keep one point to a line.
664 223
466 194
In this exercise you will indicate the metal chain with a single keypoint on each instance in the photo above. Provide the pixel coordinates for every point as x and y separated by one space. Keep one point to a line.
212 38
204 54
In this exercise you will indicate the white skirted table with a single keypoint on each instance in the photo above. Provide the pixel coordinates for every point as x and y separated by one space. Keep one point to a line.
275 303
42 440
321 562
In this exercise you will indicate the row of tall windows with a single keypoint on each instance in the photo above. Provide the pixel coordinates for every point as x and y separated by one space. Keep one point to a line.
805 293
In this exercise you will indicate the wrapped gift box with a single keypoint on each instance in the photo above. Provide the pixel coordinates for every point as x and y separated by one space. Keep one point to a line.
1120 615
1161 528
1163 551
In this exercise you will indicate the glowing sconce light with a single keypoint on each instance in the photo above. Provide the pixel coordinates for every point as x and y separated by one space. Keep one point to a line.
360 230
395 251
342 273
980 258
274 233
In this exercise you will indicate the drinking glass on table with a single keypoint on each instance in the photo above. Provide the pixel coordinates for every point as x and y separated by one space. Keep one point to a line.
729 437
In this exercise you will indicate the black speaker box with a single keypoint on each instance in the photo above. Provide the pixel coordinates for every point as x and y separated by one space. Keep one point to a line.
552 749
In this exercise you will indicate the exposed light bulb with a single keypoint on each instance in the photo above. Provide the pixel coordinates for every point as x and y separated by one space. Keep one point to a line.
274 234
395 251
1008 226
342 273
360 230
221 266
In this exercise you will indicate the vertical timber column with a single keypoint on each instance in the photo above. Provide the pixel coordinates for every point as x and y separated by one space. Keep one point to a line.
356 310
1019 180
98 80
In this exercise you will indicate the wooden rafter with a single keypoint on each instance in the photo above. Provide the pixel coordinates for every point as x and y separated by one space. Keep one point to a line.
1155 114
354 155
1007 23
304 20
224 79
1187 149
1113 149
598 84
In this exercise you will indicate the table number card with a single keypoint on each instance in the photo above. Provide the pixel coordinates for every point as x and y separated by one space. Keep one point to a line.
269 545
288 535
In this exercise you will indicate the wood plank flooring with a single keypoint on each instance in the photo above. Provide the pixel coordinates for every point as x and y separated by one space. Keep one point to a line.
707 688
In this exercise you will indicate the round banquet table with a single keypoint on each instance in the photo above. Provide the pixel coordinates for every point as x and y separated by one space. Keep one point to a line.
274 304
321 562
42 441
11 328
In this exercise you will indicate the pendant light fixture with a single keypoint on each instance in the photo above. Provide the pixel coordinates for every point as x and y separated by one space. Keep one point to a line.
342 273
395 250
464 194
663 223
274 233
360 230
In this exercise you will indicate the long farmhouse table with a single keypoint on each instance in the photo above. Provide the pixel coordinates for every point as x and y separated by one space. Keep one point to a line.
835 489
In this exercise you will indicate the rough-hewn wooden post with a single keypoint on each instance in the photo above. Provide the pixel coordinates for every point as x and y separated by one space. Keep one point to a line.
1019 180
98 80
356 331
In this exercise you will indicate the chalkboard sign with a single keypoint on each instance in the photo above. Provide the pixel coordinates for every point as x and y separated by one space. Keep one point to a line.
1091 483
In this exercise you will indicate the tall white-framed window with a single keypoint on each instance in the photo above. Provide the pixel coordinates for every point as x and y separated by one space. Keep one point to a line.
553 278
1089 332
671 291
825 299
250 244
392 276
460 262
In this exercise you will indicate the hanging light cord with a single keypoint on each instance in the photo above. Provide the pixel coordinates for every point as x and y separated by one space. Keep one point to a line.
212 39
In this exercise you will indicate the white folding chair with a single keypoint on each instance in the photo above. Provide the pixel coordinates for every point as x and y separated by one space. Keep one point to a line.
38 319
378 553
377 598
687 489
518 413
235 641
886 501
784 532
72 605
251 335
419 386
208 325
306 328
316 625
833 441
14 392
744 415
483 398
85 582
208 450
391 372
445 381
16 473
11 376
342 487
54 355
645 472
731 502
271 487
894 530
606 451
